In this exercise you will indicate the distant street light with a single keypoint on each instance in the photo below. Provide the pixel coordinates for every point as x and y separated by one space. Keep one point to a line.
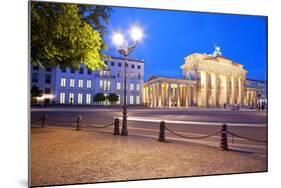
125 49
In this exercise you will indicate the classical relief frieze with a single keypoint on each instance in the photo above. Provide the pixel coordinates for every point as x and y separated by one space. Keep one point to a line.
215 67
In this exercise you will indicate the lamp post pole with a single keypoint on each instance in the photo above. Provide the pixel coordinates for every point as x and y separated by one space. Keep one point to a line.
124 122
125 50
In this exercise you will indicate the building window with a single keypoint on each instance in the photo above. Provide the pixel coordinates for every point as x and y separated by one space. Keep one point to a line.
62 82
108 73
72 70
131 99
112 63
118 86
108 85
138 87
89 72
80 83
71 98
104 85
101 84
35 67
132 66
138 100
132 75
48 79
47 91
62 98
132 87
119 74
139 67
72 82
89 83
80 98
88 98
48 68
119 65
139 76
35 77
81 70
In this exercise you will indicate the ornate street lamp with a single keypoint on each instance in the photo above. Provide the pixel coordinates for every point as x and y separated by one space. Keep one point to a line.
125 49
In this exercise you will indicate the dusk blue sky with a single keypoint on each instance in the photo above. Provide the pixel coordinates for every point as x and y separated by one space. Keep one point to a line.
172 35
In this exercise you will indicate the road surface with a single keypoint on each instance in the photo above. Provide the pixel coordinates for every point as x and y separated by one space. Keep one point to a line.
144 122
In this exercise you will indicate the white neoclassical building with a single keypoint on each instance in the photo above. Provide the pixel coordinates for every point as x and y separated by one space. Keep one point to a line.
208 80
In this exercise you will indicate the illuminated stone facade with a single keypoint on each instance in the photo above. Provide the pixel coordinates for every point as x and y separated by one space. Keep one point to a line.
208 81
169 92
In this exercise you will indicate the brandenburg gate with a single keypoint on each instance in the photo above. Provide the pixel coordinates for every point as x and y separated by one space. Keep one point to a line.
208 80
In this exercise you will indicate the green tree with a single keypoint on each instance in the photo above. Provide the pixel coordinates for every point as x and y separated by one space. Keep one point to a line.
35 92
112 97
99 98
61 35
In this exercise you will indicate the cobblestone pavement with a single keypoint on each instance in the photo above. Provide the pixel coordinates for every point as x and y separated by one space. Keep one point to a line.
65 156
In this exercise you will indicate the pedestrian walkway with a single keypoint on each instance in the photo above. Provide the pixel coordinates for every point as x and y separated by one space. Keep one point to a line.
65 156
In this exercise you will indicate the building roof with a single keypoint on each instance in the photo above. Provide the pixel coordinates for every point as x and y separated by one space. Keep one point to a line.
170 78
153 77
254 80
121 58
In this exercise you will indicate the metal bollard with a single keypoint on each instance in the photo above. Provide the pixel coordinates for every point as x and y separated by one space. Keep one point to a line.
78 125
162 132
44 120
116 126
224 144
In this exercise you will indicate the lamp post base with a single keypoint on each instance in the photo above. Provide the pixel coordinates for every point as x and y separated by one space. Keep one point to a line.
124 131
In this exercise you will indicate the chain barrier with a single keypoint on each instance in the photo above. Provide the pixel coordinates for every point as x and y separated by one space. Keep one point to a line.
99 126
192 137
246 138
74 123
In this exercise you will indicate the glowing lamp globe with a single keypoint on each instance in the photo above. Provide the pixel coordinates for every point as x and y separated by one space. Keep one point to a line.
118 39
136 33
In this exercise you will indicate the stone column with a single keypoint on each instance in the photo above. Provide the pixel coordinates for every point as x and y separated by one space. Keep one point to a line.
218 83
169 96
242 91
154 95
239 91
187 96
178 95
234 90
166 96
215 94
150 96
144 94
206 89
226 90
159 95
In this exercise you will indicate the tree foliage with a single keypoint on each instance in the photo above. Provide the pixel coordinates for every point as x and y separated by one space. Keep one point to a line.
35 92
96 16
60 35
99 97
112 97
